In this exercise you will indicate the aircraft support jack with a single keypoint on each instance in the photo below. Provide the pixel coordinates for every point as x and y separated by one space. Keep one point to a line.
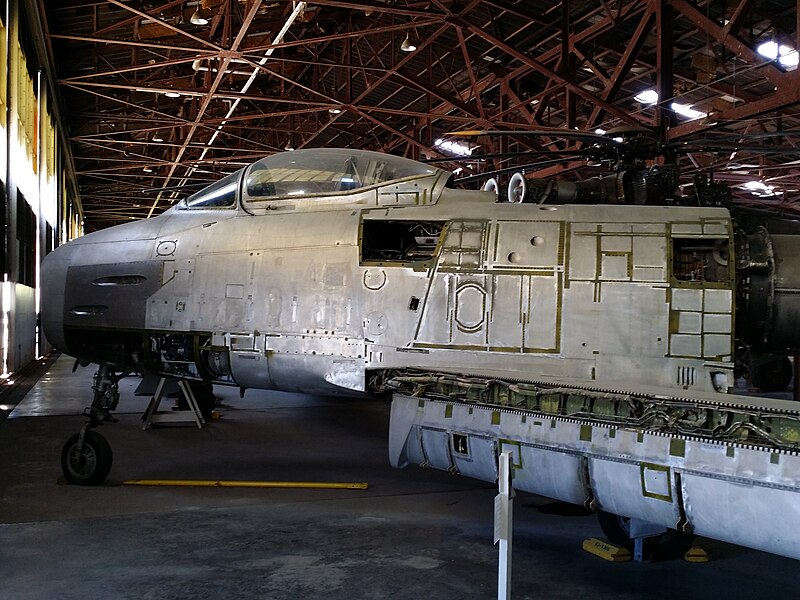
640 531
644 539
86 457
152 416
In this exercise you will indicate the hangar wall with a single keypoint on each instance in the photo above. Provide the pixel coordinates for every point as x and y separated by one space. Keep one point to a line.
38 213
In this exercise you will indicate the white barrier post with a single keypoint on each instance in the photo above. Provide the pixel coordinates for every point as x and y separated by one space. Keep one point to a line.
503 517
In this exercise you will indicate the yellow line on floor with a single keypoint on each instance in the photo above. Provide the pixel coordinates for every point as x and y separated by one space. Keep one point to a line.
248 484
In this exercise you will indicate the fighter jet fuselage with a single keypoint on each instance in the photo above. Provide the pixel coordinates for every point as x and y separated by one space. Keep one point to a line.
597 344
318 271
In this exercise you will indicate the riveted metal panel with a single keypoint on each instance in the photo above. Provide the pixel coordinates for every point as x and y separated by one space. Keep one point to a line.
687 299
90 304
481 462
718 301
506 312
620 488
525 244
542 314
171 306
717 323
690 322
436 447
761 517
552 474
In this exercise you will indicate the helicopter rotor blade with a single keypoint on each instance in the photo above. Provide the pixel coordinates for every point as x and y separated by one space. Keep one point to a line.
756 135
498 155
706 146
582 136
487 174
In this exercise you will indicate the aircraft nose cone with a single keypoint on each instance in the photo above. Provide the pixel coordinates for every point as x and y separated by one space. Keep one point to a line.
53 280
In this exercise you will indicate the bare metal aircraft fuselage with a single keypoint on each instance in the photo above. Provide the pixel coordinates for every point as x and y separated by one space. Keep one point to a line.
350 272
311 294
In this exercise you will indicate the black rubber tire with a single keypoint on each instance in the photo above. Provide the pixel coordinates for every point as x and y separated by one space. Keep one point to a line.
92 465
670 543
772 376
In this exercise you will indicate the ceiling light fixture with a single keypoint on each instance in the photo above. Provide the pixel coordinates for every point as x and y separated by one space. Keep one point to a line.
407 45
650 97
147 170
198 18
646 97
158 138
786 55
689 112
335 111
761 189
172 94
453 147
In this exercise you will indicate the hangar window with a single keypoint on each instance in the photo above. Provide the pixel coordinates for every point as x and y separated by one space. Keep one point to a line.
48 239
399 242
26 238
700 260
218 195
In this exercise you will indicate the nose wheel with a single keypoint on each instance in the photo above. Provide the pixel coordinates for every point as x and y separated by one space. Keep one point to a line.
86 457
86 461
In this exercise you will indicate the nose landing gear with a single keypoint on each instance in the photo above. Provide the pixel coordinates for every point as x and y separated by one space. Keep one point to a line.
86 461
86 457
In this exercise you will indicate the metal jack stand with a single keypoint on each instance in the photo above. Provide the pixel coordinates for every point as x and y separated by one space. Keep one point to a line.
152 416
639 532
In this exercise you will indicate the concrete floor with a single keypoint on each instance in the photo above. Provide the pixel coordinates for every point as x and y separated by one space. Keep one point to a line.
412 534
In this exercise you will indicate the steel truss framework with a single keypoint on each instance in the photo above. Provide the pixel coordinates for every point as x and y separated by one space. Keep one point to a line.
156 103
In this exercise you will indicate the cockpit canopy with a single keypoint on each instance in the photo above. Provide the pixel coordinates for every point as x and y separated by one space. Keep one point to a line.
327 171
311 173
218 195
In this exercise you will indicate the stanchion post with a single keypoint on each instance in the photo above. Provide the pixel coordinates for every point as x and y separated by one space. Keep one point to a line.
503 519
